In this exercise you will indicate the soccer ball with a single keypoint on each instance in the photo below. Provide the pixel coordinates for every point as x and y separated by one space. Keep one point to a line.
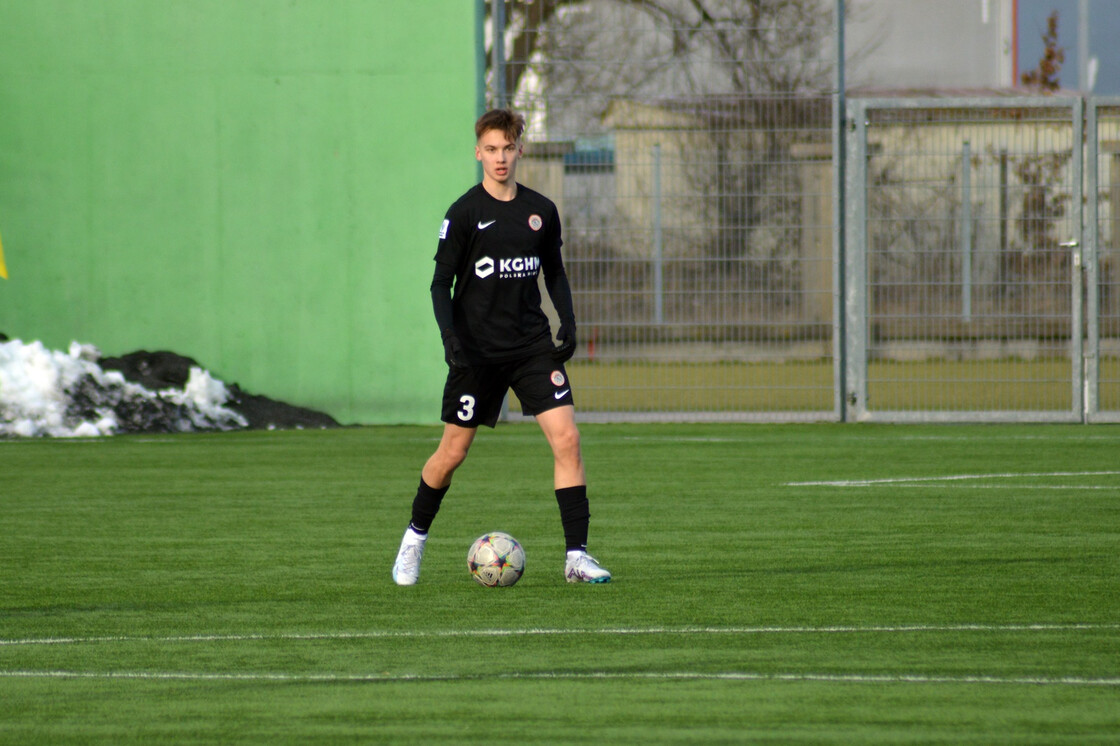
496 559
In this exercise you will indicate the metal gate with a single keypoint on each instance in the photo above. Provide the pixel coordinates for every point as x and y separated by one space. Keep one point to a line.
978 274
1102 262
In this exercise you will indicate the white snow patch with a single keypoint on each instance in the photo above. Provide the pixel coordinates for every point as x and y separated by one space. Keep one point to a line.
67 395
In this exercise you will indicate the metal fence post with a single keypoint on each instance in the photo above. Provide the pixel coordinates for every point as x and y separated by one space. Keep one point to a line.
480 60
1077 291
839 217
855 265
966 231
499 54
658 249
1089 258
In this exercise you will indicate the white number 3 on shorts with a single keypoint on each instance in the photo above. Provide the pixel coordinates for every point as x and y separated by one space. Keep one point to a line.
467 411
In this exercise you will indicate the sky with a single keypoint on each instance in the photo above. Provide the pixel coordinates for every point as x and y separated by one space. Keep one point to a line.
1104 30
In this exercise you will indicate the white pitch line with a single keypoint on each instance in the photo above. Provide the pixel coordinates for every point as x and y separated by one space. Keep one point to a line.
949 478
852 678
1023 487
543 632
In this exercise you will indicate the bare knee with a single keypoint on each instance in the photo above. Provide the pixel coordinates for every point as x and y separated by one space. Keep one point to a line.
452 455
566 446
442 465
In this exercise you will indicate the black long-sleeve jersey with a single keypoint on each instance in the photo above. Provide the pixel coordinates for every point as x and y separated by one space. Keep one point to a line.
492 251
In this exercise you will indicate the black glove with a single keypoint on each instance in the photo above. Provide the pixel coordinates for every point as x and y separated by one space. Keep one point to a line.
567 347
453 353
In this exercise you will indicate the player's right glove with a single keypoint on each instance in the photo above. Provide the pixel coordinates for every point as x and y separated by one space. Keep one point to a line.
453 350
566 335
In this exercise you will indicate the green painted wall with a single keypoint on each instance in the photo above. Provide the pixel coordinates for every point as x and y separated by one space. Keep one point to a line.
257 184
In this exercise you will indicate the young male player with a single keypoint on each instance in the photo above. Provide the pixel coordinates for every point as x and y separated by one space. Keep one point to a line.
494 241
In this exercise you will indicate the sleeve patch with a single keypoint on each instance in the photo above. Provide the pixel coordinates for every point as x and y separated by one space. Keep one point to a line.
443 229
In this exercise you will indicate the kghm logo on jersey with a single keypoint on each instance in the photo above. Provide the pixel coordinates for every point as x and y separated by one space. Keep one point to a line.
526 266
522 266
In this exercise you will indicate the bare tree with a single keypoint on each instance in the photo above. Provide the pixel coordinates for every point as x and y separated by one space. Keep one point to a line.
1045 76
1044 200
760 46
753 76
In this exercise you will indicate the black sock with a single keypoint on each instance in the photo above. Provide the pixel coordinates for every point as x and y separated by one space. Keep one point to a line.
425 506
575 515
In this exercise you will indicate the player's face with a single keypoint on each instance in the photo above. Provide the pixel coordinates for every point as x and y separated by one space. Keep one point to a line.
497 155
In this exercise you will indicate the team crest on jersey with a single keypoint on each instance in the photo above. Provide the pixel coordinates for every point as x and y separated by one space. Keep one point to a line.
557 378
535 222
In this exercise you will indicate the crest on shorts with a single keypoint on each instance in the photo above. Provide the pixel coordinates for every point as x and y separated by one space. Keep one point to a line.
557 378
535 222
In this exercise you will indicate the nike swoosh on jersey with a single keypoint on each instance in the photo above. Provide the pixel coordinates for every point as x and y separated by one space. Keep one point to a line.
483 226
560 394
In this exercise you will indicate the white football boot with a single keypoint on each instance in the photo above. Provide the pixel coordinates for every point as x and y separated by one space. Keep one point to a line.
406 569
581 567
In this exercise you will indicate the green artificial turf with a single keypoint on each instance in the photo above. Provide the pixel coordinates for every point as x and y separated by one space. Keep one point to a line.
773 584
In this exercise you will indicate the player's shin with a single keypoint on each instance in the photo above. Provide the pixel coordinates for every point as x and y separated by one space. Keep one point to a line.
575 515
425 506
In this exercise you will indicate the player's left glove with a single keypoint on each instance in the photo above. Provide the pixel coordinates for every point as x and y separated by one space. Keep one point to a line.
453 353
566 335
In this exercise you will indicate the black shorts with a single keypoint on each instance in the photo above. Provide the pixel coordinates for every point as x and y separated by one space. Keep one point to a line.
473 396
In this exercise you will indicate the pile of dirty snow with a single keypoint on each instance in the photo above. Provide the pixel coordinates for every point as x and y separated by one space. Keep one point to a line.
67 394
78 393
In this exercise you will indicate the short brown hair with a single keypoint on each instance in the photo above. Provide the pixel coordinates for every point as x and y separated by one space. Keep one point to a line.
506 120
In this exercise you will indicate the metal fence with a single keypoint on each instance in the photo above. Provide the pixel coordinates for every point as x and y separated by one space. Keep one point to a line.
1102 262
739 251
979 261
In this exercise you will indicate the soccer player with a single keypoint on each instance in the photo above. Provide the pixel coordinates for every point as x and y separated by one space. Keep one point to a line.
493 243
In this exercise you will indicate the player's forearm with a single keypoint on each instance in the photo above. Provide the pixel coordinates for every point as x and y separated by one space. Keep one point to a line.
441 300
556 282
